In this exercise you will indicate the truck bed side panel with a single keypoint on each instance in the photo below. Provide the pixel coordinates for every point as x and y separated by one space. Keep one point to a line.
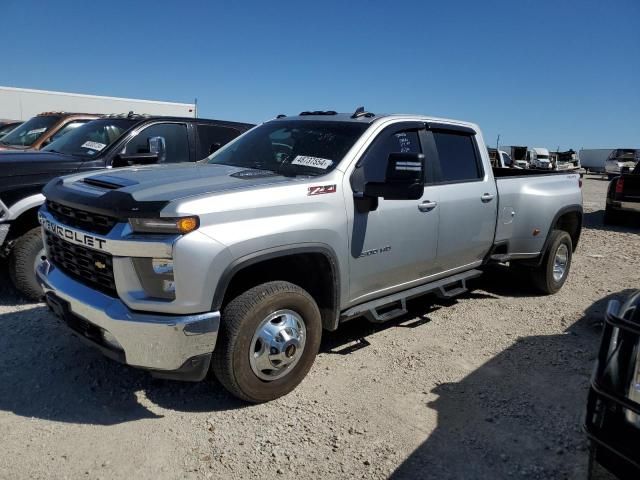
530 203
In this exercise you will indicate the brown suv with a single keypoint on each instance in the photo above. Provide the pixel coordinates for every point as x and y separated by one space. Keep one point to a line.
42 129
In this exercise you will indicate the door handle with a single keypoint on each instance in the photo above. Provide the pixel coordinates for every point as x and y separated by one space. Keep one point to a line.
487 197
427 206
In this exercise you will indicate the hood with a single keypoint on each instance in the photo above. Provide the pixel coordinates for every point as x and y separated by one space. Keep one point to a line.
139 189
19 163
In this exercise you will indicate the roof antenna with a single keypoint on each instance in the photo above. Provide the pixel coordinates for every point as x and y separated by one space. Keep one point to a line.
361 112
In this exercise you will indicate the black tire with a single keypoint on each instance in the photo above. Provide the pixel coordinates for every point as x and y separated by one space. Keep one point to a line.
611 216
542 275
240 320
21 264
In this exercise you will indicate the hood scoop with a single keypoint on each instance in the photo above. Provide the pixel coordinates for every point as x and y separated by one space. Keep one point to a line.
109 182
253 174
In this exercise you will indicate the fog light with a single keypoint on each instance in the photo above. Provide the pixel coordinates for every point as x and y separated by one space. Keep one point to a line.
162 266
169 286
110 340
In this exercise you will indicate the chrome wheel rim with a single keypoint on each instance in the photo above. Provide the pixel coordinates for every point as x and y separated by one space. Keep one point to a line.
560 262
38 260
277 345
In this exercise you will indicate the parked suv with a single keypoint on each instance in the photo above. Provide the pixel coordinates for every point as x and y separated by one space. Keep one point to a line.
621 160
43 129
111 141
239 262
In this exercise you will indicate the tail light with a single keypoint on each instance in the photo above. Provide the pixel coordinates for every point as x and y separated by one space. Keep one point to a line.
620 185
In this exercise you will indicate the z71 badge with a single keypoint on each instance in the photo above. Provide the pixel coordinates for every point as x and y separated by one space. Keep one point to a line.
322 189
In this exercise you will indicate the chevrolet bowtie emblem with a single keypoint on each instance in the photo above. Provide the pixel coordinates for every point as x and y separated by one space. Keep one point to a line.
99 265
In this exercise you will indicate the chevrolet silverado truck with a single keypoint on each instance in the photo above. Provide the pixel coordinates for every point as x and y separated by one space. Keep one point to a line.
239 262
623 197
111 141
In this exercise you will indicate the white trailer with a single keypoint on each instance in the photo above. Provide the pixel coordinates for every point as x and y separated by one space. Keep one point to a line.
23 103
594 159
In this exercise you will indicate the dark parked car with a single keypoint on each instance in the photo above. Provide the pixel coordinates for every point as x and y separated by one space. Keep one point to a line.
613 410
623 197
108 142
7 125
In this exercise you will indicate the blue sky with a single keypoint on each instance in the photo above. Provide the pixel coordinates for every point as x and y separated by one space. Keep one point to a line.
546 73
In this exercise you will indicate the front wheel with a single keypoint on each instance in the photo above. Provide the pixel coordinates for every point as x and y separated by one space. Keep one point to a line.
550 276
25 257
268 341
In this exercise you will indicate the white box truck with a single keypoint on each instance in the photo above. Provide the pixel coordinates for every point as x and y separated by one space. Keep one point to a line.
23 103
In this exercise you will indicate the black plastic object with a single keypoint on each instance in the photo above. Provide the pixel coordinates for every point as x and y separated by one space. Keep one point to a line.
612 420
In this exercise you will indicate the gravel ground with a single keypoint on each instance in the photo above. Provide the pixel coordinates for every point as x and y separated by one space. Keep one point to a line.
491 386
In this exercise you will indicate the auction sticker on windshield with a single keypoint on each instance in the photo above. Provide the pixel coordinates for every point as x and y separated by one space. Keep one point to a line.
314 162
93 145
36 130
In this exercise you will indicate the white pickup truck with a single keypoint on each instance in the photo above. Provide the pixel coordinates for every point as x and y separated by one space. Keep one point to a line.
240 261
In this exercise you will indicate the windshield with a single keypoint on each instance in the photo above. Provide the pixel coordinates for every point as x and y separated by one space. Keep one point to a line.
625 155
30 131
543 157
91 138
296 147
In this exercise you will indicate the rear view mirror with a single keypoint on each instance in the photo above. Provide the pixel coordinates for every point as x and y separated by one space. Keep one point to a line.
214 147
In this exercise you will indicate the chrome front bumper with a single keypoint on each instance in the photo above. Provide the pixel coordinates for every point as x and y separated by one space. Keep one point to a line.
147 340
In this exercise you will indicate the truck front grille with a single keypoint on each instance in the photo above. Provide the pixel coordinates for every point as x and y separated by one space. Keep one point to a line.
92 268
87 221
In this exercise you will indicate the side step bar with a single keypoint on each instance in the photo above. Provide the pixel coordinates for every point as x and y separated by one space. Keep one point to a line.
395 305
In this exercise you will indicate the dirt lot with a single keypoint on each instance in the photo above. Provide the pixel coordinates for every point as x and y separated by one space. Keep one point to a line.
490 386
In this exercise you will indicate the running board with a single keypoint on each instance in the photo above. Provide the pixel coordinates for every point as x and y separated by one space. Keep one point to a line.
395 305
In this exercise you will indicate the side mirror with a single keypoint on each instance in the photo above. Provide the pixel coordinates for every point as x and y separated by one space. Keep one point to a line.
158 145
404 179
123 160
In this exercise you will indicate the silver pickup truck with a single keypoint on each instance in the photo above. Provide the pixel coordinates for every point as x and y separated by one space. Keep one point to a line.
237 263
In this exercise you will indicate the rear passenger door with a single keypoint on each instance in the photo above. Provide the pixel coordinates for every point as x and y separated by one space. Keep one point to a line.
468 200
212 137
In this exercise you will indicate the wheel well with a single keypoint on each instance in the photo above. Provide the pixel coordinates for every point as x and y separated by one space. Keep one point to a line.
314 272
25 222
570 222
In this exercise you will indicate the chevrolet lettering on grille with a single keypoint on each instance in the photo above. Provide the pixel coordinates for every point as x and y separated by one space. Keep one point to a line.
71 235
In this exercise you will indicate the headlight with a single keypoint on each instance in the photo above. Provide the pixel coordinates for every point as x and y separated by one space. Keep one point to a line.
182 225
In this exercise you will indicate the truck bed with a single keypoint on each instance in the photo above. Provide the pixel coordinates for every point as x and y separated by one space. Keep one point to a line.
528 200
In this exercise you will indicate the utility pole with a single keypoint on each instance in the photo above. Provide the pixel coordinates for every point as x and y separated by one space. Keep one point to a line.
498 142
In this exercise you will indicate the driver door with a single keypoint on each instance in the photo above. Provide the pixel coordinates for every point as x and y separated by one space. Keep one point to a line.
394 246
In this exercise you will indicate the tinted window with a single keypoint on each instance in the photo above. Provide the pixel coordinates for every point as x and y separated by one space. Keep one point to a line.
67 128
507 160
212 137
170 138
4 129
457 153
30 131
90 139
295 147
373 166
